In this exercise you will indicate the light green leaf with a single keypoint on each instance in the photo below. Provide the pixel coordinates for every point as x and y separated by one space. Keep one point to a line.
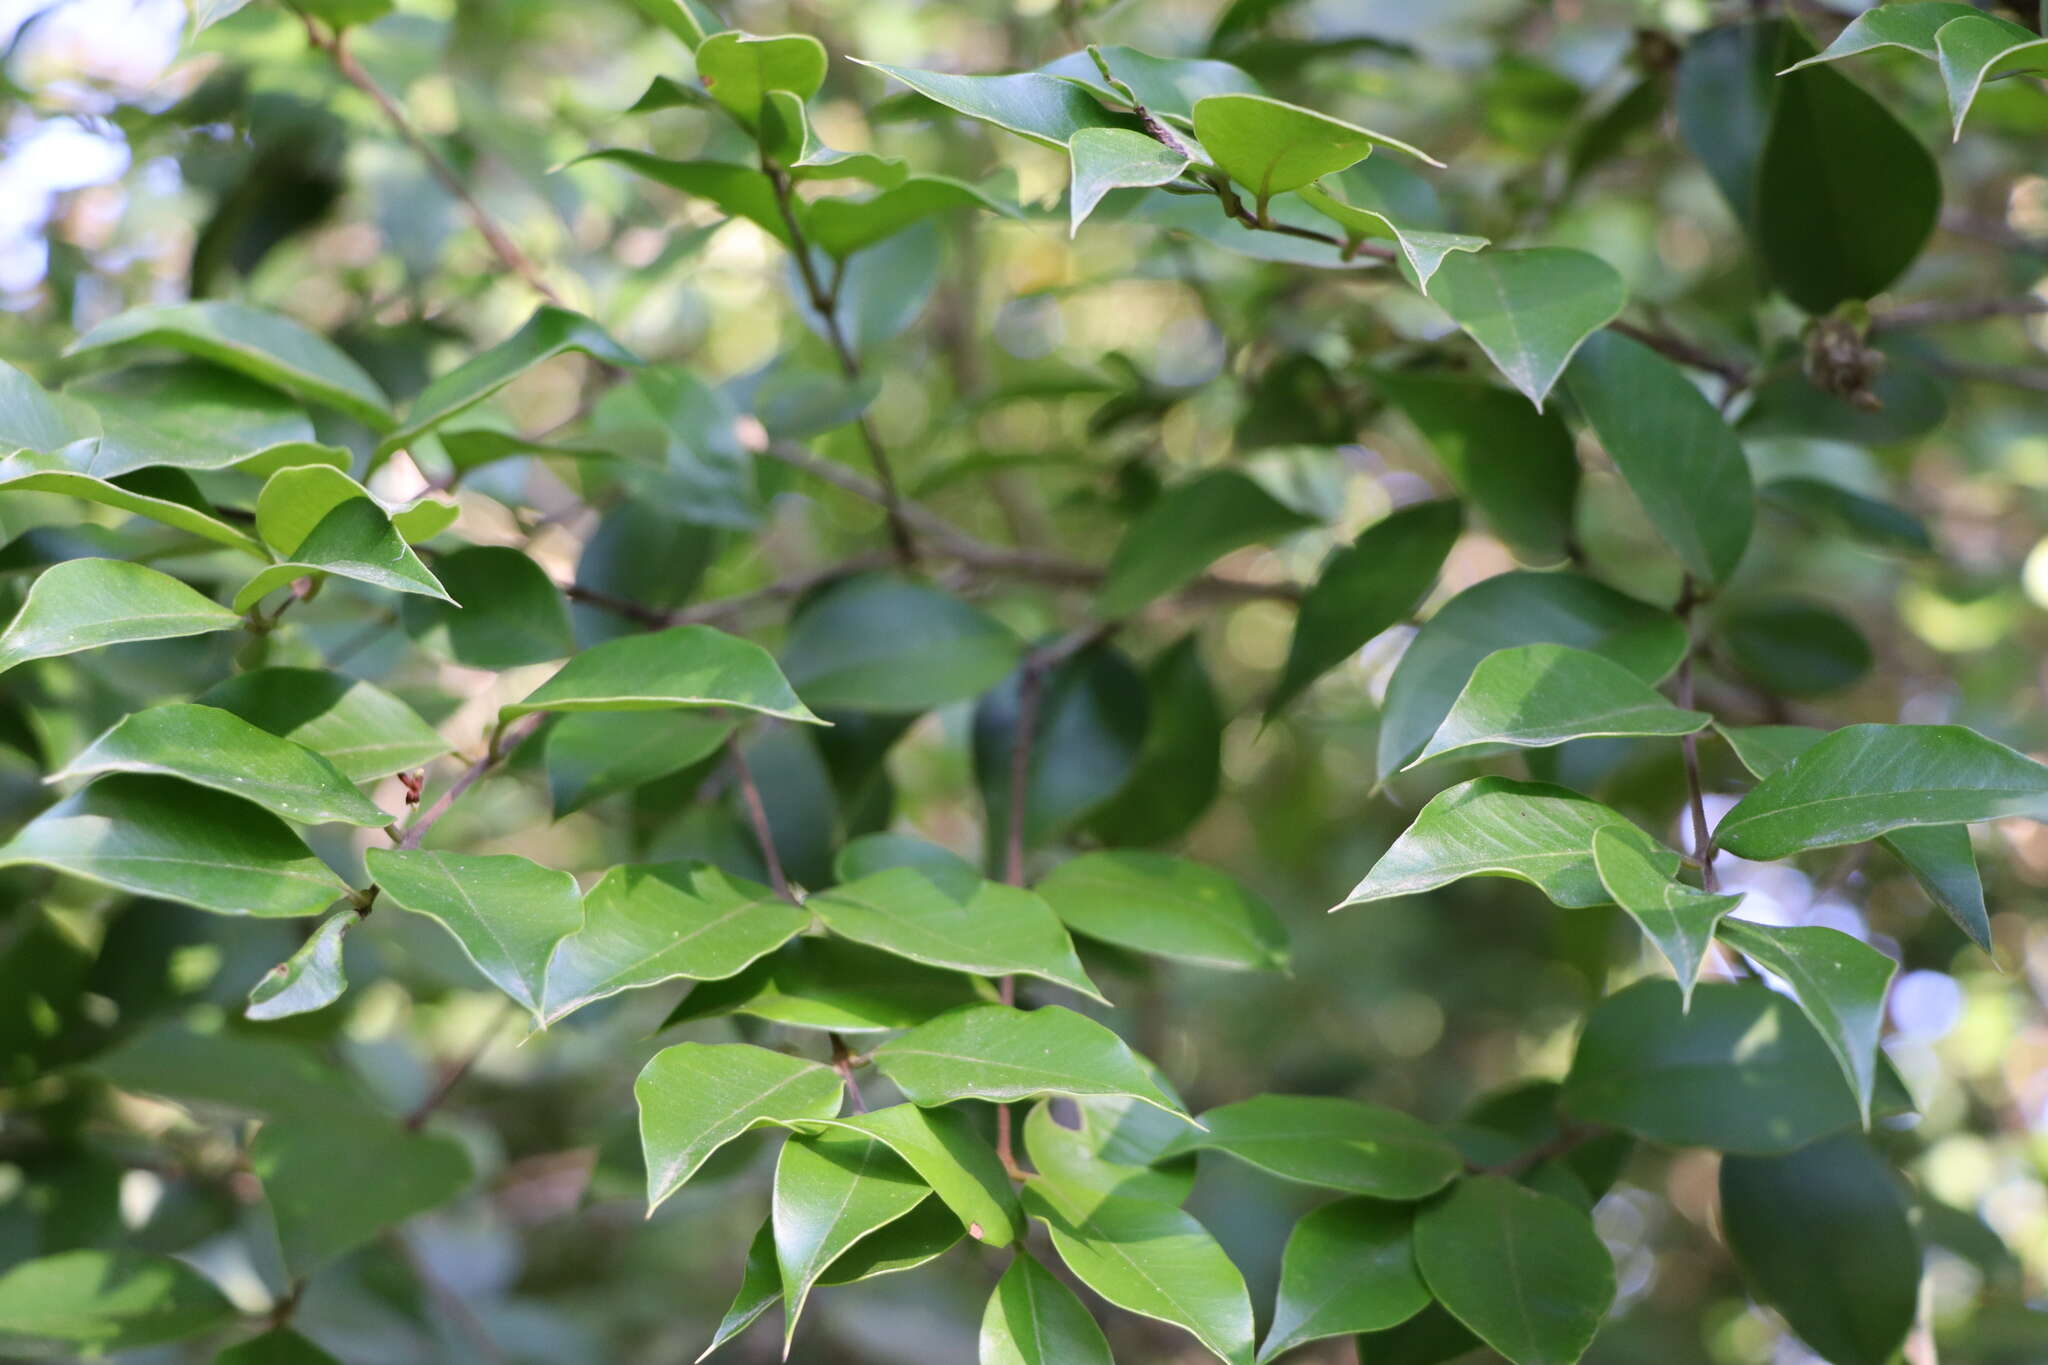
219 749
1423 250
90 1302
33 418
1529 310
157 836
548 333
1166 86
168 497
696 1097
1270 146
507 912
506 611
1504 611
993 1052
310 978
740 69
876 642
1043 108
1977 48
86 603
1336 1143
1348 1267
1536 696
1119 1147
649 923
1498 827
248 1072
830 984
295 500
356 541
1150 1259
688 20
268 347
1364 588
359 727
947 1154
334 1185
1524 1270
840 226
1186 529
1911 26
1106 159
681 666
984 928
1677 918
1167 906
832 1190
1034 1319
738 191
1840 983
189 415
874 853
594 754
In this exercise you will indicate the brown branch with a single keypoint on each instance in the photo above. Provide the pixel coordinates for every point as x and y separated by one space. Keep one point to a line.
502 744
842 1062
757 816
1702 837
1942 312
1568 1139
1733 372
1992 232
725 608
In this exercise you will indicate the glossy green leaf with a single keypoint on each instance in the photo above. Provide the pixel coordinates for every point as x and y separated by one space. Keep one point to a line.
507 912
1106 159
993 1052
160 498
1498 827
1422 249
355 540
547 334
1166 906
1270 146
681 666
1111 1144
829 984
1840 982
268 347
740 69
696 1097
1911 26
1524 1270
831 1190
219 749
1093 718
1865 780
1977 48
1034 1319
594 754
188 416
1349 1267
359 727
948 1155
1030 104
1365 588
334 1186
841 226
1188 528
1529 310
33 418
1151 1259
1504 611
297 498
1336 1143
1678 918
880 643
158 836
86 603
1794 647
1870 521
1536 696
310 978
505 610
1742 1071
739 191
643 924
1822 1235
1166 86
1673 448
988 929
89 1302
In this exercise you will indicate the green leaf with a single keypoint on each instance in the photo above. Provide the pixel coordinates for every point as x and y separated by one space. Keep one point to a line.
219 749
839 226
1093 714
993 1052
1180 765
681 666
1677 918
1042 108
86 603
547 334
1524 1270
594 754
1794 647
1870 521
740 69
876 642
356 541
1150 1259
1498 827
188 415
89 1302
1677 454
1034 1319
1188 528
830 985
278 1346
1910 26
1423 250
738 191
1822 1235
1166 906
947 1154
1840 983
1117 1146
831 1190
1336 1143
507 912
297 498
873 853
696 1097
335 1185
985 928
1365 588
247 1072
1166 86
166 498
1742 1071
1348 1267
649 923
1865 780
359 727
1977 48
504 611
1529 310
1106 159
33 418
687 20
310 978
268 347
1536 696
1504 611
158 836
1270 146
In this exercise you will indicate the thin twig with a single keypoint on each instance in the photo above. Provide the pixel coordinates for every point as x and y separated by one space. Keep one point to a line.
842 1062
757 816
424 1110
502 744
726 608
2012 376
1942 312
1702 837
1733 372
1568 1139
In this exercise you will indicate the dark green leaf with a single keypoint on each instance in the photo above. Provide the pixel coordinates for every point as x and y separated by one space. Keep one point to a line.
832 985
1522 1269
1799 648
1190 527
880 643
333 1186
947 1154
505 611
1840 983
1180 768
1832 507
1033 1319
1043 108
594 754
1167 906
1348 1268
1091 726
